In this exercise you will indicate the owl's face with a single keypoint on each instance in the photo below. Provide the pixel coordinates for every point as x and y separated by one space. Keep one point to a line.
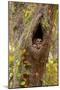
37 43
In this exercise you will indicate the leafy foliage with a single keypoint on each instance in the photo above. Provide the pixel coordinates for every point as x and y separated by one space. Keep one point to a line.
51 76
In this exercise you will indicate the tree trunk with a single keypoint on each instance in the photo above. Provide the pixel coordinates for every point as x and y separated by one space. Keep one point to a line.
39 57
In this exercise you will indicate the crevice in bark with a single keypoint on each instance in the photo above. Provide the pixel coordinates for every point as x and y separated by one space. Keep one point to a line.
38 33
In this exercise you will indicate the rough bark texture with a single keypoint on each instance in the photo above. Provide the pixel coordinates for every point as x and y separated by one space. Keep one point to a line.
39 57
